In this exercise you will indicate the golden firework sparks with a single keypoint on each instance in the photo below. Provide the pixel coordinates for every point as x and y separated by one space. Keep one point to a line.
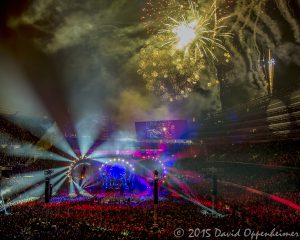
196 33
187 44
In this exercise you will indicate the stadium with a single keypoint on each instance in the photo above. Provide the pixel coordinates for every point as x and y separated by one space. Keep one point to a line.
142 119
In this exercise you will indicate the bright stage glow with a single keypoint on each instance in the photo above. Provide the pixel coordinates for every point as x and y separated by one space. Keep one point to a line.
186 34
117 161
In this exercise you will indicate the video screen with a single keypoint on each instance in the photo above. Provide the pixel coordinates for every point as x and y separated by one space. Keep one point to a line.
171 129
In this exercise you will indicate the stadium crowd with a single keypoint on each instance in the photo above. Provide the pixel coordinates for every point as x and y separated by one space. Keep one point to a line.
279 153
90 220
242 209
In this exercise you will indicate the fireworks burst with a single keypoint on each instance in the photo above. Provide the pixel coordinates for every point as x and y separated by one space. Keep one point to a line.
189 41
196 33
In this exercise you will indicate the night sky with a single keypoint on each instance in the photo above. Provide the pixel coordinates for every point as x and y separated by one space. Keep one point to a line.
70 59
